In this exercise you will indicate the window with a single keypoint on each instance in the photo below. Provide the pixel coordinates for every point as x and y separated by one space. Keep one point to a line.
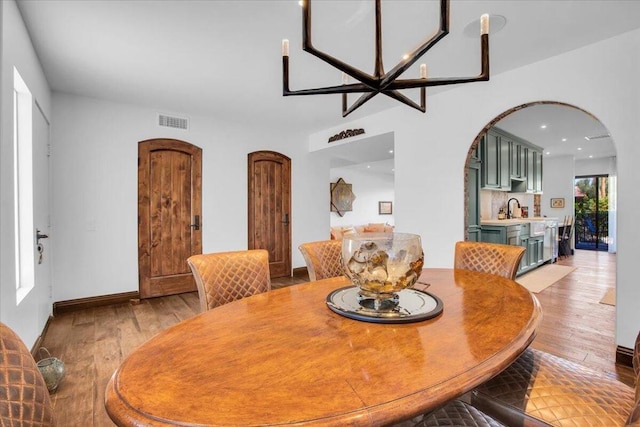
23 187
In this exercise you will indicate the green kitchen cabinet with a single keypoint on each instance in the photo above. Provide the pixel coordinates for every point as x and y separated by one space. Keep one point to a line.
534 170
537 169
474 229
518 161
504 235
517 235
495 160
509 163
534 254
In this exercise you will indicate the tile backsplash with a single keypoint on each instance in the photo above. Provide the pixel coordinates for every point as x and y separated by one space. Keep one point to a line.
492 201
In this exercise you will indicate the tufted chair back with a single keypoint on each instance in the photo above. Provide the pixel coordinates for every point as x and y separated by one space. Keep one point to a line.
323 259
224 277
24 398
502 260
634 417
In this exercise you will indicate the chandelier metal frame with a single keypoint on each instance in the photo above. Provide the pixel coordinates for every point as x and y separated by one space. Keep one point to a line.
387 83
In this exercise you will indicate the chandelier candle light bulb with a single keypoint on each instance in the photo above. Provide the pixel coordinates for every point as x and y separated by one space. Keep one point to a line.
285 47
423 71
484 24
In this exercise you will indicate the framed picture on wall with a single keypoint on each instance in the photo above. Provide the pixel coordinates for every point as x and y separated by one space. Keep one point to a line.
557 203
385 208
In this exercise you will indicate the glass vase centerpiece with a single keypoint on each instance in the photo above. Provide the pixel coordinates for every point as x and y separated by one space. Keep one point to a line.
381 265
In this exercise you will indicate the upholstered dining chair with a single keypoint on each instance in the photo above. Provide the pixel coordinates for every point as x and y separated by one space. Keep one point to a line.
224 277
550 390
502 260
24 398
540 389
323 259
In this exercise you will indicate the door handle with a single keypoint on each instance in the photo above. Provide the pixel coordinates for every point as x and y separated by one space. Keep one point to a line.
40 235
286 219
196 222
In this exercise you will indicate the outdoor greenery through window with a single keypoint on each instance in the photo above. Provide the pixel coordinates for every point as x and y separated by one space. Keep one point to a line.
592 212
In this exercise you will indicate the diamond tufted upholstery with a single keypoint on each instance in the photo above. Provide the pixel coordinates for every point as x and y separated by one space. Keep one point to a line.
24 398
224 277
457 414
323 258
634 418
555 392
502 260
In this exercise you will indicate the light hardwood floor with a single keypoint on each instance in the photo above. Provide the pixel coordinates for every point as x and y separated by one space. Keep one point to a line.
93 342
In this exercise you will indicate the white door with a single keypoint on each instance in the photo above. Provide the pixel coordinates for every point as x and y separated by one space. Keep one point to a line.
41 214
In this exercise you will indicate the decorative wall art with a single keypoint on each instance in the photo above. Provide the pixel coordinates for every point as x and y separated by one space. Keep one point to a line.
557 203
385 208
346 134
341 197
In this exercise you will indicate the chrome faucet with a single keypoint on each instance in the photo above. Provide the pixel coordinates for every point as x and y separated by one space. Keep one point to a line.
509 214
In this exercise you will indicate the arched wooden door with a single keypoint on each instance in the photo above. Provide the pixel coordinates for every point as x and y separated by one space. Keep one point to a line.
169 215
270 208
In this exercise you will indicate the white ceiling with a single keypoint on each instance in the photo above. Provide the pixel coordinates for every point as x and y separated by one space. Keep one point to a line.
223 58
560 131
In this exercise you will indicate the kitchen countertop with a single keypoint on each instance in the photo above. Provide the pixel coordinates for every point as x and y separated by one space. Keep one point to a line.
515 221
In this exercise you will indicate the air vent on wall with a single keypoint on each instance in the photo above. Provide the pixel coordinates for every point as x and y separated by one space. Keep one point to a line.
173 122
591 138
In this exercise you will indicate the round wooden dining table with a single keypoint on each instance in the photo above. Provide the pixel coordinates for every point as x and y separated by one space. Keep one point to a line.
284 358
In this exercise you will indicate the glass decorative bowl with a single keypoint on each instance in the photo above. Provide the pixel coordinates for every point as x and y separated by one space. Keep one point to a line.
381 265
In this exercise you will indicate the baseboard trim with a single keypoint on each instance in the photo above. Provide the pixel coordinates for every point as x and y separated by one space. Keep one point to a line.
300 272
90 302
624 356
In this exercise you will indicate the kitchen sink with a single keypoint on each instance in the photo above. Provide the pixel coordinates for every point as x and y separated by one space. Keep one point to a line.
537 227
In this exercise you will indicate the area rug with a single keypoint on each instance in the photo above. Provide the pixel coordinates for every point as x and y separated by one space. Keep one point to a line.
543 277
609 298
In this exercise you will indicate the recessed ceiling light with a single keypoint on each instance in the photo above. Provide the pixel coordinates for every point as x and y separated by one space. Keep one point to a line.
368 166
390 151
564 139
547 153
591 156
579 148
543 127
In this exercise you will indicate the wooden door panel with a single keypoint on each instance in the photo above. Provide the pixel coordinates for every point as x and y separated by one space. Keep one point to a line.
169 188
269 209
170 212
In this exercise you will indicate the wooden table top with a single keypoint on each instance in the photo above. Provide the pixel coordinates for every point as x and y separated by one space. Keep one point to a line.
284 357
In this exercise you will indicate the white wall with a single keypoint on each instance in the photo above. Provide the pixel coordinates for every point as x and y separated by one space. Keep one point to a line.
29 317
369 189
557 182
599 166
95 151
431 149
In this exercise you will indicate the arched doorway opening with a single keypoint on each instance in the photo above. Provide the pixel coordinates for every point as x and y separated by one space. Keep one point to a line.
579 296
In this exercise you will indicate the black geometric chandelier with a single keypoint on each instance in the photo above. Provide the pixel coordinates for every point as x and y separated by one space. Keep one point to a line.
380 82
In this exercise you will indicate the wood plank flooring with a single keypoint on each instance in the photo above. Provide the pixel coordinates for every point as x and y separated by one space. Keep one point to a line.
93 342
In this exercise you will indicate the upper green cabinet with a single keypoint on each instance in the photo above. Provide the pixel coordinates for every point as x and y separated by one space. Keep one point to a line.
510 163
518 161
494 152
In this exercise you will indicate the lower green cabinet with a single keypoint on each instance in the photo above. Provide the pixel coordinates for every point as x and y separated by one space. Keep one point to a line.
517 235
534 255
